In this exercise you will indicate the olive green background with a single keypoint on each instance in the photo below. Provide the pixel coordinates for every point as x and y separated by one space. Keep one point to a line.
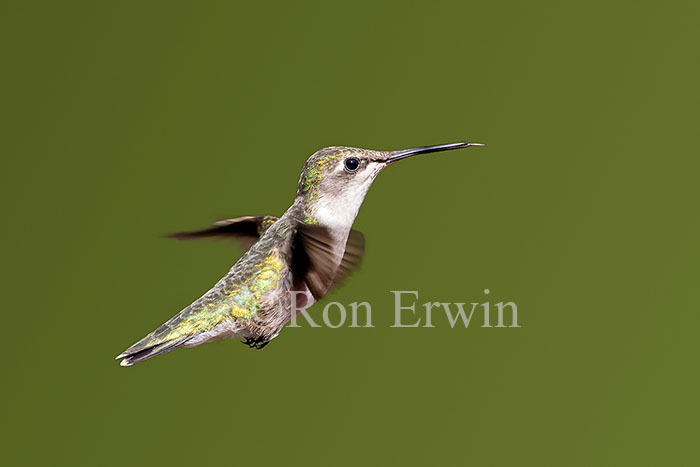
126 120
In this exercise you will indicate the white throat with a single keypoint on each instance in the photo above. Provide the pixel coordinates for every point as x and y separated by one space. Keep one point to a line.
338 214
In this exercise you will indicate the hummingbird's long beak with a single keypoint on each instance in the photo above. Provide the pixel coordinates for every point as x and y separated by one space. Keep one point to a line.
398 155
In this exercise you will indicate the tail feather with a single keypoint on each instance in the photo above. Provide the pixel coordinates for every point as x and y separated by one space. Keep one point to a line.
137 353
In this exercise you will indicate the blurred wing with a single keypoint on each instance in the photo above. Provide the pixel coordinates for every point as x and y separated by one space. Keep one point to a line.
354 250
245 230
314 260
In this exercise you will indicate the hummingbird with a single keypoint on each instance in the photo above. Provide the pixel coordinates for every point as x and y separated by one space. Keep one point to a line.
290 262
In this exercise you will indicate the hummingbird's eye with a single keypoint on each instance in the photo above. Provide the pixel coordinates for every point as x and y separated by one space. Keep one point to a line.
352 164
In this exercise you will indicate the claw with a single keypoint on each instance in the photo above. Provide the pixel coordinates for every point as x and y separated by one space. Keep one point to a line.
257 343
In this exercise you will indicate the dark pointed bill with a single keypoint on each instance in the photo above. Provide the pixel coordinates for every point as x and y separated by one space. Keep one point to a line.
398 155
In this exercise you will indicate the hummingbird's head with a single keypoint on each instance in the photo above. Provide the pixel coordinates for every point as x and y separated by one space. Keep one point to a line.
335 180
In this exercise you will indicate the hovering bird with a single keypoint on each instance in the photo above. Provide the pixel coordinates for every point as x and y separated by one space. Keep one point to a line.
290 263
